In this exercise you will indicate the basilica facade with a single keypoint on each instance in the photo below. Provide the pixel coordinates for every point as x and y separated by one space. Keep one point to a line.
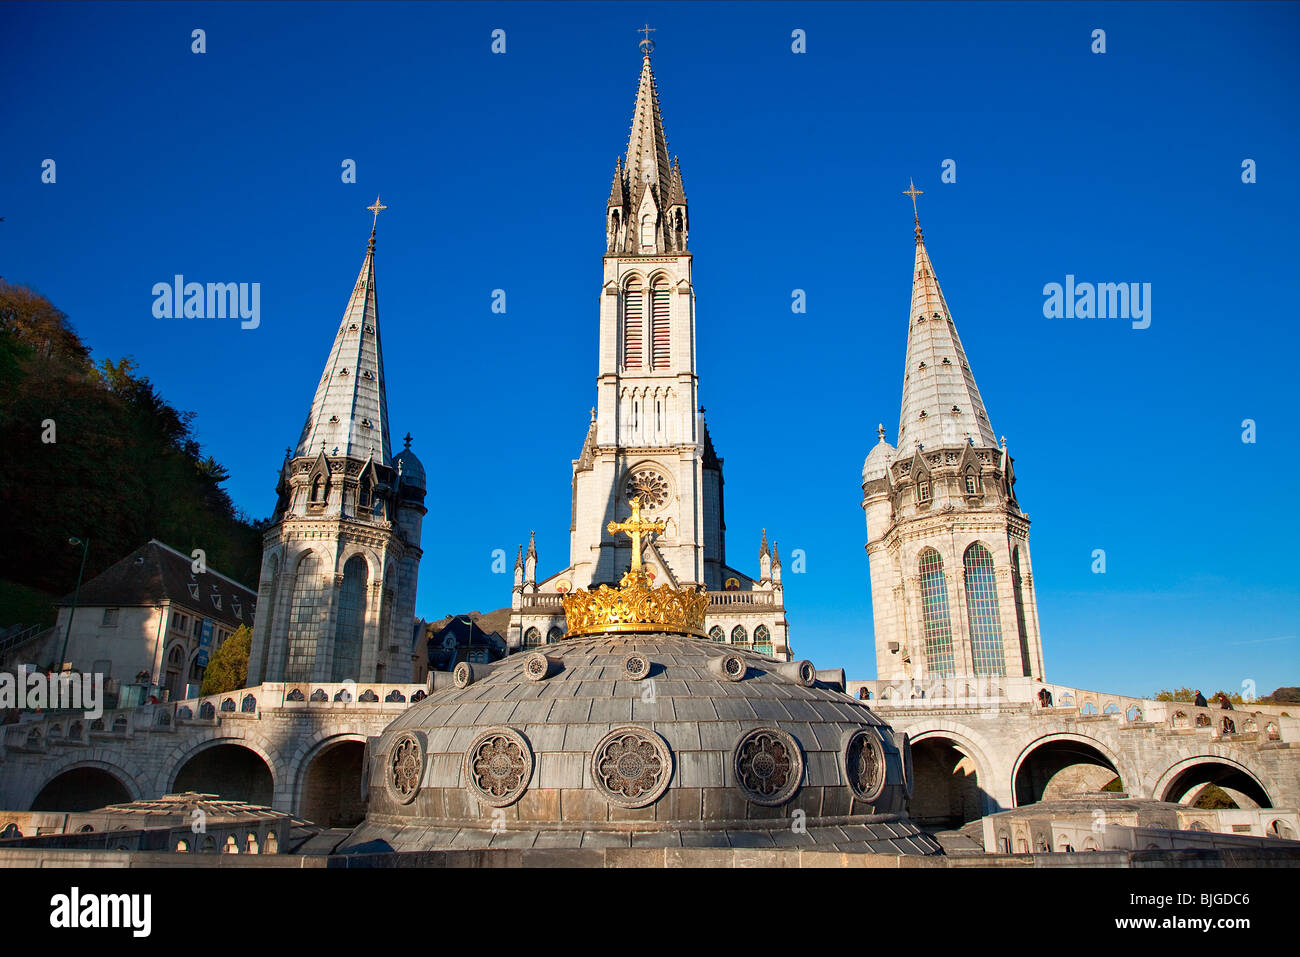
647 438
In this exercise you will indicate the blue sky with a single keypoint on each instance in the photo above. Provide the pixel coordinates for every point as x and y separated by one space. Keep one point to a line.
1115 167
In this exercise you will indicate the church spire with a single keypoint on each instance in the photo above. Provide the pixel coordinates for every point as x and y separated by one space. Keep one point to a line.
646 213
349 416
941 402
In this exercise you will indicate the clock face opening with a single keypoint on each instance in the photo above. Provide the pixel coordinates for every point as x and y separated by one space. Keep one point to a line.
651 486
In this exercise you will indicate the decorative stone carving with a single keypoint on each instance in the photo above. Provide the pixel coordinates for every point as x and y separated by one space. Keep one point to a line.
864 763
537 667
462 676
768 766
405 767
636 666
730 667
631 766
498 766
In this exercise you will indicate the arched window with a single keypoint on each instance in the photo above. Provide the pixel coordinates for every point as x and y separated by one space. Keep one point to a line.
923 489
762 640
972 482
1022 626
739 636
659 324
934 610
648 230
366 490
532 638
351 620
717 634
633 323
318 489
304 621
982 612
268 608
555 634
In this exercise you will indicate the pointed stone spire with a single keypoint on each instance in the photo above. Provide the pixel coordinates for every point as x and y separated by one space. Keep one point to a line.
519 560
532 545
762 546
647 146
941 403
350 411
616 193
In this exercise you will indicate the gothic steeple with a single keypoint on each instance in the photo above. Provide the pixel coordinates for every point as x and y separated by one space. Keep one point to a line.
941 403
350 411
646 213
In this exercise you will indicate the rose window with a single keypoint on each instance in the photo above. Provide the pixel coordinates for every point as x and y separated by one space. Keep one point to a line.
498 766
631 767
651 486
864 765
768 766
405 764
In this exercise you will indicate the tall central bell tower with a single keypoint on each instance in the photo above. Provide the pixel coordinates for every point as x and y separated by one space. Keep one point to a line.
647 437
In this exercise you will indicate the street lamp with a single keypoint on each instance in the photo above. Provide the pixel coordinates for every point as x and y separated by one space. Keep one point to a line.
85 550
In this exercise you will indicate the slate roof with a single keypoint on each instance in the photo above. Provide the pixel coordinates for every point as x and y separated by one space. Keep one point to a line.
156 572
699 714
937 379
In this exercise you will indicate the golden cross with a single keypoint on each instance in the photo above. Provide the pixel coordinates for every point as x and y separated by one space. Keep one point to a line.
913 192
376 209
634 527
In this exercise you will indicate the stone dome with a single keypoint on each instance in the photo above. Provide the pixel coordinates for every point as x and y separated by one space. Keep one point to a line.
877 462
411 467
639 740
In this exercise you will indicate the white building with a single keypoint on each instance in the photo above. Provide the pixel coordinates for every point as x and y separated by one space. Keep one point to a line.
145 616
647 435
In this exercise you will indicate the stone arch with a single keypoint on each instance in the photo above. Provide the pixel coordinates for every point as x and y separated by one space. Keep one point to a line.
329 779
1051 764
1188 776
953 774
235 778
104 784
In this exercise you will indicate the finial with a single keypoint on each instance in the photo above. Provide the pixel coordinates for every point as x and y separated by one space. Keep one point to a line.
376 209
647 46
593 414
913 192
1004 441
701 410
334 451
407 439
880 431
288 453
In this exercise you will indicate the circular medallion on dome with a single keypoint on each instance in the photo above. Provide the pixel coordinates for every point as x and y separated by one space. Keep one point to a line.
733 666
631 766
768 766
864 764
536 666
651 485
498 766
462 676
636 666
405 767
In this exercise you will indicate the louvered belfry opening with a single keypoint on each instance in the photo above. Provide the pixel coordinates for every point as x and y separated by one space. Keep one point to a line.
659 323
633 320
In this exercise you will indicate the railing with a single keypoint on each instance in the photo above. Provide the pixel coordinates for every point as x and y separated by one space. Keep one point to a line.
542 601
21 638
755 598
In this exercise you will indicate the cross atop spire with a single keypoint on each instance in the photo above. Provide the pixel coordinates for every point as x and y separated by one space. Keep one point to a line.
913 192
647 46
376 209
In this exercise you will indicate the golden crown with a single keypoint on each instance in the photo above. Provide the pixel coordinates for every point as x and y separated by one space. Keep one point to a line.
635 605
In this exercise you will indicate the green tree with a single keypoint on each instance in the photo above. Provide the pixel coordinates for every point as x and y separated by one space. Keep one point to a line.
228 669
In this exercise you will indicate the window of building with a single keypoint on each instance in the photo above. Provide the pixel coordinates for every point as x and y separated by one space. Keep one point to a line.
717 634
194 590
304 618
1018 593
351 620
216 601
648 230
972 482
633 323
763 640
923 490
739 636
659 323
532 638
982 612
934 612
110 617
